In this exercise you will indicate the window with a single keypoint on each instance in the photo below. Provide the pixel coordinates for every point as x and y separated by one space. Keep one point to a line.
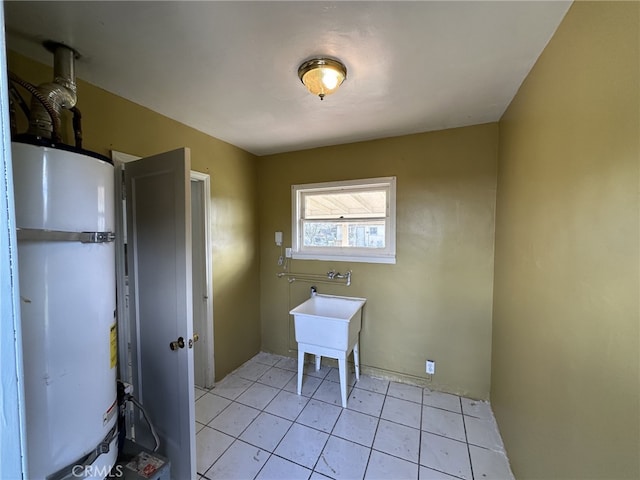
350 221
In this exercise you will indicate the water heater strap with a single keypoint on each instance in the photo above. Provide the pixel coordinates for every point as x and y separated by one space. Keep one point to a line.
38 235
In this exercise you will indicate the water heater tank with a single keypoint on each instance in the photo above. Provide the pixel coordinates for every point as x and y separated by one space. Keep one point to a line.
65 218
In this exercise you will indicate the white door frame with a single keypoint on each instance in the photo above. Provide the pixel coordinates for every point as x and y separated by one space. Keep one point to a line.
13 450
124 336
207 329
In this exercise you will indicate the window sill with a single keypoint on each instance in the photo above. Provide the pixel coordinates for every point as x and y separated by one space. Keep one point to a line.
345 258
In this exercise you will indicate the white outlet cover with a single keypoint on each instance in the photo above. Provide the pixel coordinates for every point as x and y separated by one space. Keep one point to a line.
431 367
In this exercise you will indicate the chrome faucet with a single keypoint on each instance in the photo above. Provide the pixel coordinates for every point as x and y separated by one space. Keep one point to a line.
332 275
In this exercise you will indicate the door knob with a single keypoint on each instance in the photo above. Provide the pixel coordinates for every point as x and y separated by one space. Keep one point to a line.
193 340
177 344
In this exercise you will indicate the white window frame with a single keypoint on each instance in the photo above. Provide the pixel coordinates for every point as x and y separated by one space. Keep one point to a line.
350 254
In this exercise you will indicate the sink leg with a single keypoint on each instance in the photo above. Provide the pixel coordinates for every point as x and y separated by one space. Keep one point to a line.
318 360
356 360
300 369
342 365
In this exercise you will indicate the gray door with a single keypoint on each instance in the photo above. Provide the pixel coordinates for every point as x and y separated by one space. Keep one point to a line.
159 262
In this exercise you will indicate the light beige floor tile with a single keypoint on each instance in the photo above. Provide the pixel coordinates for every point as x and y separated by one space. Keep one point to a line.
266 431
342 459
302 445
365 401
234 419
208 406
319 415
357 427
309 385
441 400
258 396
405 392
231 387
445 455
278 468
240 462
276 377
385 467
287 405
402 411
489 464
397 440
443 422
476 408
210 444
372 384
483 433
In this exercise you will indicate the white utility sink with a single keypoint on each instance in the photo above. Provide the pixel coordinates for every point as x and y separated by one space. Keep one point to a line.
329 326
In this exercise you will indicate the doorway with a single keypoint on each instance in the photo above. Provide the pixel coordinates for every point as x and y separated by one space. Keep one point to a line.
204 361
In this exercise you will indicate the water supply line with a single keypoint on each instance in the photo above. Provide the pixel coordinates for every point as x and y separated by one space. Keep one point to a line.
329 277
133 400
77 126
125 394
54 116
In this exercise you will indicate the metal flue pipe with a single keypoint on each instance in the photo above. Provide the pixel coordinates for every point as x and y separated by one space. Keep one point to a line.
59 94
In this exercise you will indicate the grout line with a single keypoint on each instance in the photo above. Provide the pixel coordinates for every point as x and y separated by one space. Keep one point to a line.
420 437
464 424
443 409
443 472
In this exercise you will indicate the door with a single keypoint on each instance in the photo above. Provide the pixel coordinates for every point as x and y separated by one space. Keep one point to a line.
159 261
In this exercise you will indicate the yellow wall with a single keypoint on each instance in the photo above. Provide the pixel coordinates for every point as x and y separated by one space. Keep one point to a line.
113 123
436 301
565 377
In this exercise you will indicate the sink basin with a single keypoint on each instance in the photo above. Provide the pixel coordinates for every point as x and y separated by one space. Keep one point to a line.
328 321
329 326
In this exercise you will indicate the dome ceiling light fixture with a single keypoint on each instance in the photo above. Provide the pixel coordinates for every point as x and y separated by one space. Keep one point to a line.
322 76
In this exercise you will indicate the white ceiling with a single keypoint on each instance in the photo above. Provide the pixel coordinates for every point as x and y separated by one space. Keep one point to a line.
229 69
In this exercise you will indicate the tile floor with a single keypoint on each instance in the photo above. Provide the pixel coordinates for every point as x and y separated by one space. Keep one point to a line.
253 425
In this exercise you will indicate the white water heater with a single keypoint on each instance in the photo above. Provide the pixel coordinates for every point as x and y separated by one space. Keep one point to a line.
65 219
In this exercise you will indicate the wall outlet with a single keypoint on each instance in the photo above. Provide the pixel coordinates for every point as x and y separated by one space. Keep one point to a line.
431 367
